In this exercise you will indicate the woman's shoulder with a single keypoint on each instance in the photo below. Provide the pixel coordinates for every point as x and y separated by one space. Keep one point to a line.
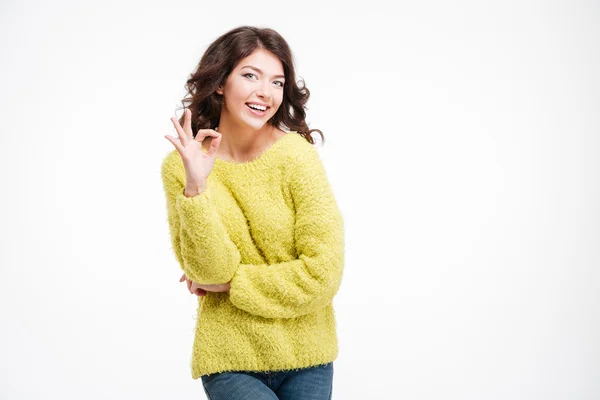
302 159
298 147
172 159
172 165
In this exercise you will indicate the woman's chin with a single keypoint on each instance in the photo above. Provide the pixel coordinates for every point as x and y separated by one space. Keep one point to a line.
255 124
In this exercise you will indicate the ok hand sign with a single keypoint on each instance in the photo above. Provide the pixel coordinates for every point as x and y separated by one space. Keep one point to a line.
198 164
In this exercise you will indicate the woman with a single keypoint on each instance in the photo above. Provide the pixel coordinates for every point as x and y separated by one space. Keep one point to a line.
254 224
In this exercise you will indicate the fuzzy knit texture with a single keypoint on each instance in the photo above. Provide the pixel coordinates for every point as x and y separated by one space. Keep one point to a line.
271 227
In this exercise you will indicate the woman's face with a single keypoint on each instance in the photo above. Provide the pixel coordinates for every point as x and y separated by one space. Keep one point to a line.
256 81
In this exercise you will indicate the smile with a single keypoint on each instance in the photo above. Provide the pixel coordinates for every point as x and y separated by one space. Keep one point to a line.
257 110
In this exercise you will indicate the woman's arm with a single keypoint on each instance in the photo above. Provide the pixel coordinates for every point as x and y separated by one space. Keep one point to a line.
199 239
308 283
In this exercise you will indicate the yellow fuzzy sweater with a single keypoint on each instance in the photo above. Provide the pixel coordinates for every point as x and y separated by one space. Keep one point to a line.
271 227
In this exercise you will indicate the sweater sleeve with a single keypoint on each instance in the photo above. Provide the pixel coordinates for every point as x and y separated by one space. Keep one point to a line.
199 239
309 282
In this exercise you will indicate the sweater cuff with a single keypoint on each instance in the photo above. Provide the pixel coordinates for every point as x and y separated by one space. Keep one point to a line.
237 295
190 206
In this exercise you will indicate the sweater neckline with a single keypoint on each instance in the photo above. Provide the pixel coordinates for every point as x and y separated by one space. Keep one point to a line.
262 158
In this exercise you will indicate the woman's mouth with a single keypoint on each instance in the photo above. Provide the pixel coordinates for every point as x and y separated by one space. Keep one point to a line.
257 110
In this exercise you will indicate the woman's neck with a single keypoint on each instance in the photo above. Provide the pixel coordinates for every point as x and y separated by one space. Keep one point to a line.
244 143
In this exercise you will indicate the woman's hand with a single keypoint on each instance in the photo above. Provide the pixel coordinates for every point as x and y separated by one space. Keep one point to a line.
201 290
195 290
197 163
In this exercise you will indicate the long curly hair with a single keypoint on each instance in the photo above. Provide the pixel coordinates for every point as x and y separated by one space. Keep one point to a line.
219 60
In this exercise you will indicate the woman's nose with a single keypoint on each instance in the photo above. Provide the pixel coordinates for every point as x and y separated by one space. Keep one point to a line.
263 90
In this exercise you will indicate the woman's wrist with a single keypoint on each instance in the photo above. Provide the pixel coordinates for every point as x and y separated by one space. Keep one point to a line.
191 191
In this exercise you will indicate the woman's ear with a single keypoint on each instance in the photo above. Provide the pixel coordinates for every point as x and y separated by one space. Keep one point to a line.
220 90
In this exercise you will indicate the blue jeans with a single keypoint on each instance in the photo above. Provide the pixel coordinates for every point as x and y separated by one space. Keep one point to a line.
312 383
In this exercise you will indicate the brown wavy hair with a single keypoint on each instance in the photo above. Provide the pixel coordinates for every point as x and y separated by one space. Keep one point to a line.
219 60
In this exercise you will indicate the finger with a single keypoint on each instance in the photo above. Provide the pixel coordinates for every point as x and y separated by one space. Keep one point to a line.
214 145
182 278
203 133
200 292
189 285
183 137
175 143
187 122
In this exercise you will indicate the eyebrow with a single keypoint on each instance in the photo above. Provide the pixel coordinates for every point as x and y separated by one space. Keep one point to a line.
260 72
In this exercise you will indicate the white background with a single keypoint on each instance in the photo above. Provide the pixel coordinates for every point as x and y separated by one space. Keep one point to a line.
461 142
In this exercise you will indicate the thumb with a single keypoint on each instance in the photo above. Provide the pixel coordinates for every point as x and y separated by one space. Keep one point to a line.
183 277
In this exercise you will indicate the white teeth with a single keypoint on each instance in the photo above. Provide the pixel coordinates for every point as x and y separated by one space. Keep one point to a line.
257 107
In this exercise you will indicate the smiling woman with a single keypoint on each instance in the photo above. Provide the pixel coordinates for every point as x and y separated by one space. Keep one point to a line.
254 224
263 59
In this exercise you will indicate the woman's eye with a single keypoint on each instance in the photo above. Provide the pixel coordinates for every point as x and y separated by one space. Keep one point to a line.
279 83
249 73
